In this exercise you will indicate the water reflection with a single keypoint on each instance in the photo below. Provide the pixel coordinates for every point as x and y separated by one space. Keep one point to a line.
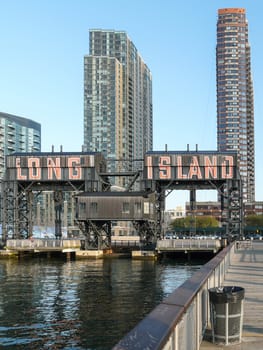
89 304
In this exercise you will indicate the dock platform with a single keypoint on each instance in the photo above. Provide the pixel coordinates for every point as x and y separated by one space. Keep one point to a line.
246 270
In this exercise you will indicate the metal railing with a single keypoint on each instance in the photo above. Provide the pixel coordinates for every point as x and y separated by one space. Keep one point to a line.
180 321
126 243
39 243
188 244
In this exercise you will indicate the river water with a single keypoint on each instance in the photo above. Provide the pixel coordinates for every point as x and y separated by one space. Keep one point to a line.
83 304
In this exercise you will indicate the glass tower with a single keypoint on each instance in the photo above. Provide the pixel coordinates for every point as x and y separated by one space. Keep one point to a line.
17 134
117 99
235 109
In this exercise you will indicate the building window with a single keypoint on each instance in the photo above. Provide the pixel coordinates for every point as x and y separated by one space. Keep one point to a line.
93 207
137 208
126 207
82 208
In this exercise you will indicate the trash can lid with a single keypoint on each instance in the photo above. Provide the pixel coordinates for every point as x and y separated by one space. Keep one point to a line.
226 294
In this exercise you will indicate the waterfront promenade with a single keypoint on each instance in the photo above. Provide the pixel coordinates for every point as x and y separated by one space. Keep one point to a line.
246 270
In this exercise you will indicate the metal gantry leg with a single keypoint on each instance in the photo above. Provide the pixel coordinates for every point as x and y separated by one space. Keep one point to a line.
8 213
25 214
58 201
235 209
97 234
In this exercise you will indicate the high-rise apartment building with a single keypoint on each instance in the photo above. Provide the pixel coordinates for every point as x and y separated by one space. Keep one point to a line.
17 134
117 99
235 106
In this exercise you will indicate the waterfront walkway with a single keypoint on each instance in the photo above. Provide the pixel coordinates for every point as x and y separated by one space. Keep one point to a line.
246 270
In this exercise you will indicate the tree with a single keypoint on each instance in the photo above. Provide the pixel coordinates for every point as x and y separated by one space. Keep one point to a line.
197 221
206 221
254 220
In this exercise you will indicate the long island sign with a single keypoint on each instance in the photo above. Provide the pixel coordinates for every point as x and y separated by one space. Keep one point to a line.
53 166
190 166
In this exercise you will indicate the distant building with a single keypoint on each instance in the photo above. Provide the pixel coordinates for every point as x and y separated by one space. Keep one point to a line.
235 100
117 100
171 214
17 134
214 209
204 209
255 208
177 213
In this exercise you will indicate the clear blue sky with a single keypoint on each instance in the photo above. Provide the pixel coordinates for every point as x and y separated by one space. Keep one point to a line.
43 42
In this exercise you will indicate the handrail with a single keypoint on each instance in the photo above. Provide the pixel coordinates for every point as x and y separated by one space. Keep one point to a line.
42 243
179 322
170 244
127 243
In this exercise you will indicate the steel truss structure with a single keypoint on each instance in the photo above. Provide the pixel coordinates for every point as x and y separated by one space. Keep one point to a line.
19 192
30 174
229 193
98 233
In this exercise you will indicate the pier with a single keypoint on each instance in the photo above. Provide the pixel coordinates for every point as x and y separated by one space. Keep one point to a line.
33 246
182 321
130 244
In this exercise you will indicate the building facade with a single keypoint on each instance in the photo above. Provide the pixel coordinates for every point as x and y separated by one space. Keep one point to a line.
17 134
117 100
235 106
212 209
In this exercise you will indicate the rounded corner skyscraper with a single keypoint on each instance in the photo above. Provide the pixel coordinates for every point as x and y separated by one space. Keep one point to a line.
235 100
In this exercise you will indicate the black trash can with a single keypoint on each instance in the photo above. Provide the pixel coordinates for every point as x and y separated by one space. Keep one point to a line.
226 312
